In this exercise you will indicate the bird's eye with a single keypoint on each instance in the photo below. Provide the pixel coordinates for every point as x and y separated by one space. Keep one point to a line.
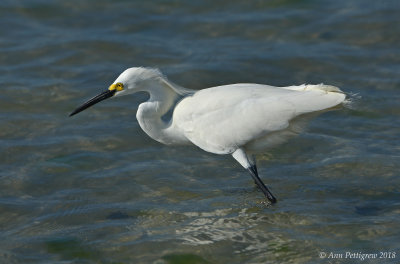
119 86
116 86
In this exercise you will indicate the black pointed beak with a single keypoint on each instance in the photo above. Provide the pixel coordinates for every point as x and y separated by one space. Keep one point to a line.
98 98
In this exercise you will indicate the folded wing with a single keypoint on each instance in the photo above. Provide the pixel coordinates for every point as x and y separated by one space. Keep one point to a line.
222 119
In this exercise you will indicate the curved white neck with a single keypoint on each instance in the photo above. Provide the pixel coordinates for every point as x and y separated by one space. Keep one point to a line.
162 98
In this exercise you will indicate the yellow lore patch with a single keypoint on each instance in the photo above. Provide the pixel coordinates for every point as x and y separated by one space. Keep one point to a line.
116 86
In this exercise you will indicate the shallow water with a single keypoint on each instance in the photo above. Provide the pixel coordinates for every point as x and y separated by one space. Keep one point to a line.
95 189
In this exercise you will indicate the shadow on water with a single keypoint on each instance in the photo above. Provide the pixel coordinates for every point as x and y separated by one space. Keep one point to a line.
71 249
184 259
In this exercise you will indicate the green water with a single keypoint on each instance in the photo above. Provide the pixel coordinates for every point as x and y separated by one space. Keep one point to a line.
95 189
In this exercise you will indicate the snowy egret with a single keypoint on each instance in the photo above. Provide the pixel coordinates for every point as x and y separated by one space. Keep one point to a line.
236 119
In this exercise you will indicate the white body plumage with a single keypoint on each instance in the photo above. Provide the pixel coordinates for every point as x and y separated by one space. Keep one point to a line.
237 119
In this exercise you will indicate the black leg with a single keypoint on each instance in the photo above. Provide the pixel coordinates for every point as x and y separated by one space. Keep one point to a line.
260 184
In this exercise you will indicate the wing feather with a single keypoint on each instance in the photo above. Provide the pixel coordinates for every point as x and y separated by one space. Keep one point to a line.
222 119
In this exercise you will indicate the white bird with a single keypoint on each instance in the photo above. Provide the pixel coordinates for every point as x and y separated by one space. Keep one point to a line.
236 119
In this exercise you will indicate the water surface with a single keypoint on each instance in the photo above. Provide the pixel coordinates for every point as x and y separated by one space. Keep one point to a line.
95 189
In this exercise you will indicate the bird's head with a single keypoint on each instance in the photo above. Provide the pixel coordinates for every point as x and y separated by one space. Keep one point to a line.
129 81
